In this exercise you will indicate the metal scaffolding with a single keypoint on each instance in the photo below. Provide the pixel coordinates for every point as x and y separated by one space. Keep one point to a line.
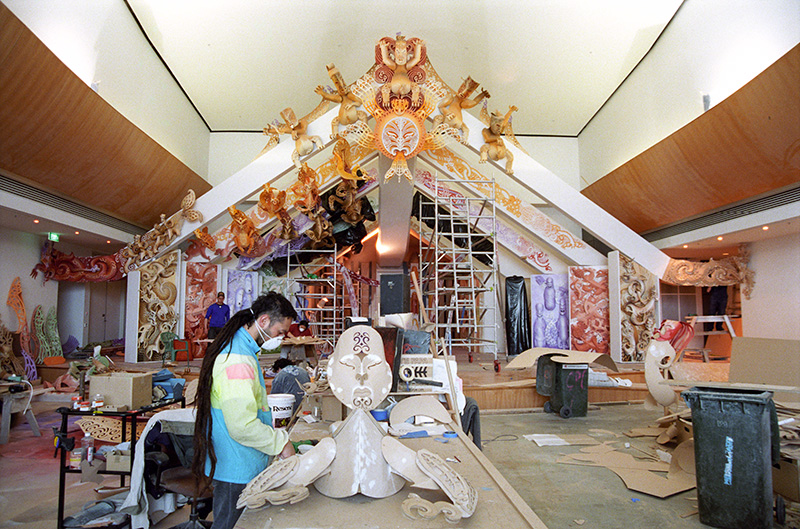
458 267
314 287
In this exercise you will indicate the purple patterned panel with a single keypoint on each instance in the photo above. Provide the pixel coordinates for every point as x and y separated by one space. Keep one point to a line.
550 311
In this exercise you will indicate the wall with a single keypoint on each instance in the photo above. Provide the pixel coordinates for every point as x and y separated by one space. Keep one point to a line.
102 44
20 253
773 310
713 47
229 152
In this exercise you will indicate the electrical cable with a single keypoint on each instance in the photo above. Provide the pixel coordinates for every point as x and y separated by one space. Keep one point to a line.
510 436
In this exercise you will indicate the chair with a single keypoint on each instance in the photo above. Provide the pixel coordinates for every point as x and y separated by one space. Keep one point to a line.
172 346
179 479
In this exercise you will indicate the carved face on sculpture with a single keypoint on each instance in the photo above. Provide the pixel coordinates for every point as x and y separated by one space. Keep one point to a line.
400 50
357 372
288 116
467 87
496 123
336 77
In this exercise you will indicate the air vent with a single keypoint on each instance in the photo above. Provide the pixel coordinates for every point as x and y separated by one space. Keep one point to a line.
43 197
758 205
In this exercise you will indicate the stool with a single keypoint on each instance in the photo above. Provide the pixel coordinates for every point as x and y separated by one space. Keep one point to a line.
15 403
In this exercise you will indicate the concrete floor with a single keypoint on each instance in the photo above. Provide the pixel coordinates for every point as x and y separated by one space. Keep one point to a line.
561 495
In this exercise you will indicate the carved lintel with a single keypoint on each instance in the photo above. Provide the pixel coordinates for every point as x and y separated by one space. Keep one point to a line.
727 271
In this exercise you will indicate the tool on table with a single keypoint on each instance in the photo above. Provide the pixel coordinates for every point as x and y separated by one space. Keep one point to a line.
407 376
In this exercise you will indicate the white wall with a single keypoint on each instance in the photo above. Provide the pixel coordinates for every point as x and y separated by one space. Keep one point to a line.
101 43
712 46
20 253
773 310
559 155
230 152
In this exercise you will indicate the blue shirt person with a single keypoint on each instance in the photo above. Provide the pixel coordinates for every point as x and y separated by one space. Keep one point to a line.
217 315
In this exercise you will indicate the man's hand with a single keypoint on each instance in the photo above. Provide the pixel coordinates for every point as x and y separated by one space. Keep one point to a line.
288 451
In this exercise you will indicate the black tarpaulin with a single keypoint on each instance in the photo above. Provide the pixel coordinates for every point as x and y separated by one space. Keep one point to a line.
518 318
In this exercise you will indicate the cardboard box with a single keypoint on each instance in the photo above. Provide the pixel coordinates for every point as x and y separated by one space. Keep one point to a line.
119 460
133 390
786 479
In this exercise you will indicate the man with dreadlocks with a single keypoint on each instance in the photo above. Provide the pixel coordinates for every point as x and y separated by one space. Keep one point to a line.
233 437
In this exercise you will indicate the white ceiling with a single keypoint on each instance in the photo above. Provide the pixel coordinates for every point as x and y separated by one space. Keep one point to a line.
241 62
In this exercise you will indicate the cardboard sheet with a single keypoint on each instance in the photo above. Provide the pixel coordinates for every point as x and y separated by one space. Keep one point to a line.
767 361
528 358
549 439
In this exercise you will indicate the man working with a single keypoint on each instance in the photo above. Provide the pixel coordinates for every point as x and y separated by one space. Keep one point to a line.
289 379
217 315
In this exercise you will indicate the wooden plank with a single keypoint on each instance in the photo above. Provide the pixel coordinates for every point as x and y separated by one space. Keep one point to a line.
497 500
710 162
60 136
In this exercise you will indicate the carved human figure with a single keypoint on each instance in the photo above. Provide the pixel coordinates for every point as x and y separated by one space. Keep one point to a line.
563 324
348 101
358 372
400 57
451 106
493 147
298 129
539 326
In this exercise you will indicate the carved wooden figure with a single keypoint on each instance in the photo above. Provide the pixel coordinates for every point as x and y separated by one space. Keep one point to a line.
298 130
493 147
451 107
348 101
400 68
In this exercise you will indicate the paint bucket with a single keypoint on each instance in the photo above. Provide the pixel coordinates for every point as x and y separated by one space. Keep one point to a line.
281 405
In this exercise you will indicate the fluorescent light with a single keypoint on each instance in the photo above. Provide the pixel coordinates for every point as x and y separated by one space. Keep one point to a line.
765 228
719 238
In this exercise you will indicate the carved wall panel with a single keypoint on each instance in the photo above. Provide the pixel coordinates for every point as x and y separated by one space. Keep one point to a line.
157 295
588 305
201 291
633 296
550 311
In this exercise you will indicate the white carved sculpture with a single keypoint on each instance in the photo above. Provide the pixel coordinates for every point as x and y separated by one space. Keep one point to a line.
360 457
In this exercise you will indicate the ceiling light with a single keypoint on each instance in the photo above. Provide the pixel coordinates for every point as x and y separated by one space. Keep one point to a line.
765 228
726 253
108 242
685 245
36 221
719 238
77 233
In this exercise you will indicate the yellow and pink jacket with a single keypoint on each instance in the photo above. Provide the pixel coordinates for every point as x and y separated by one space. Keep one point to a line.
241 432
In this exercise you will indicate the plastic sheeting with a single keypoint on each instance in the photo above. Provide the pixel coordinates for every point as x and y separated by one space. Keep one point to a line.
518 318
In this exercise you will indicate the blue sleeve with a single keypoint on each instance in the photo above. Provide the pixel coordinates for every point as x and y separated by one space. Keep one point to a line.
227 313
208 311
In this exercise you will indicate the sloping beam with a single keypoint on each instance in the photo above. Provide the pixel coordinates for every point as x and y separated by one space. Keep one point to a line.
506 235
526 218
542 182
266 169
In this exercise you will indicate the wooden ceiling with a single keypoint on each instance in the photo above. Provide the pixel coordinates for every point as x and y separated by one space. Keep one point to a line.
747 145
59 135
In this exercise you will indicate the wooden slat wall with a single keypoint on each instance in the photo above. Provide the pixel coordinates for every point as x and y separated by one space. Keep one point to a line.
747 145
59 135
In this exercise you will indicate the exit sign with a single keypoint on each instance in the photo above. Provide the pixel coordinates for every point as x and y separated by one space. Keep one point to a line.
52 236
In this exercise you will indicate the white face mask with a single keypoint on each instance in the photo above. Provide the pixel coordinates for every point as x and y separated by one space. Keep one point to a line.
269 343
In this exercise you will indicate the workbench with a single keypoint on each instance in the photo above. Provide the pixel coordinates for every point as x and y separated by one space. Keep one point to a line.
498 503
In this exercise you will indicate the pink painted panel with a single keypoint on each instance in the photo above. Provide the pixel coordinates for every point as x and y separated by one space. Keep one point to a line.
588 304
201 291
